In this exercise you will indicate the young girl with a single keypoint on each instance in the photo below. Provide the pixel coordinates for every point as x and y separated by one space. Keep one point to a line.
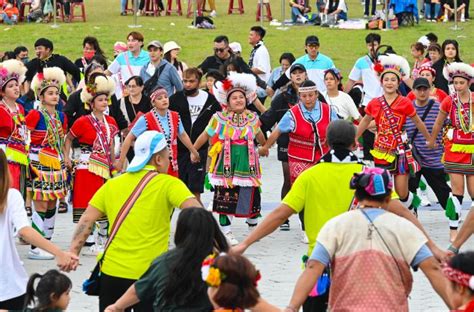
161 119
52 294
95 133
170 53
13 219
235 168
232 280
459 138
428 72
418 53
48 181
460 273
391 150
13 131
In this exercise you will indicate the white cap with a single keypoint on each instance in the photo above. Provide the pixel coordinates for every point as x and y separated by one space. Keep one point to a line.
235 47
147 144
170 45
425 41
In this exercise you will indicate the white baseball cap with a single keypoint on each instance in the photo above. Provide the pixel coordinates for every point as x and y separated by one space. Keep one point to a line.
147 144
235 47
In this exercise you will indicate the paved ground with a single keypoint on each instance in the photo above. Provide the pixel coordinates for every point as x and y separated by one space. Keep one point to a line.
278 256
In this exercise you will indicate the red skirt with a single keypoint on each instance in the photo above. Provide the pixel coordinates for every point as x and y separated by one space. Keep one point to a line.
457 162
15 174
85 186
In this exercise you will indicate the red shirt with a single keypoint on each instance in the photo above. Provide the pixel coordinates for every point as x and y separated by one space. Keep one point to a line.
7 124
85 132
37 125
436 94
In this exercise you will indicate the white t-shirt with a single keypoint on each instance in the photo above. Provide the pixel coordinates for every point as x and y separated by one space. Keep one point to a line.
196 103
341 6
362 70
343 105
261 60
13 277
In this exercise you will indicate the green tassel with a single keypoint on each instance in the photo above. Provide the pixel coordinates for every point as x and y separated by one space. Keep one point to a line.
416 202
451 210
207 184
422 185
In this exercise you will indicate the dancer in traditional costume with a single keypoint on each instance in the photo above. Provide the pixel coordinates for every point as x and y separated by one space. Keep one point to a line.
13 131
48 180
95 133
235 168
428 72
165 121
391 150
458 139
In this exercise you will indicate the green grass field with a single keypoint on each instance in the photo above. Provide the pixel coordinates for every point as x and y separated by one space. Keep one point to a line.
343 46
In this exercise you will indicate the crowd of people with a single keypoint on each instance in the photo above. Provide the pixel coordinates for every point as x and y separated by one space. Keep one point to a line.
128 142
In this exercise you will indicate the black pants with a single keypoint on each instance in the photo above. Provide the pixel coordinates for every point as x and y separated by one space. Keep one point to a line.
374 6
316 304
368 138
14 304
436 179
112 288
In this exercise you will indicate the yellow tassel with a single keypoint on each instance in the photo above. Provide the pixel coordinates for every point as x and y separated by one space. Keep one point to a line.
213 153
381 155
49 161
463 148
99 170
17 157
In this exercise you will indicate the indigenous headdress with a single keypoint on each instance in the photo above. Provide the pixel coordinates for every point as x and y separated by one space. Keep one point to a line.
458 276
157 92
11 70
308 86
98 86
213 276
375 181
428 68
48 77
392 63
245 83
458 69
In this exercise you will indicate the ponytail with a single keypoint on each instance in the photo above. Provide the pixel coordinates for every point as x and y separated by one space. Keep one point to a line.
50 283
30 289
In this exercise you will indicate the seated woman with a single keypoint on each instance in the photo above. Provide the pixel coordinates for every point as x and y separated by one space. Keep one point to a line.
448 6
299 11
337 8
173 282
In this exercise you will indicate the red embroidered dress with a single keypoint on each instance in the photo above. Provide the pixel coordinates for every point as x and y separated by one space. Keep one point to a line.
459 138
13 140
95 163
307 140
48 173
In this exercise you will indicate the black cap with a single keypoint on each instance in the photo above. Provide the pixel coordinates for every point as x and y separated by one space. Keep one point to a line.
296 66
312 40
421 82
44 42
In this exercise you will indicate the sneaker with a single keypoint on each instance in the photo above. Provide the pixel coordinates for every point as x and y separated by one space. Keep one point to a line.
424 199
231 238
39 254
428 21
92 251
285 226
123 13
213 13
304 238
463 19
445 20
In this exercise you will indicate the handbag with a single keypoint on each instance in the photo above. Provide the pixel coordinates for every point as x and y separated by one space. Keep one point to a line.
91 286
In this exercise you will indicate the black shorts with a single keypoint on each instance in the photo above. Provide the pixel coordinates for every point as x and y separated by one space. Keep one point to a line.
282 154
193 175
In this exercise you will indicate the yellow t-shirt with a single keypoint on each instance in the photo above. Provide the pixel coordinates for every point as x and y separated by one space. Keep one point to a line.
323 191
144 233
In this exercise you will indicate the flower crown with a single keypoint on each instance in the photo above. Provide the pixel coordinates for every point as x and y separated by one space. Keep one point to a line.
48 77
246 83
213 276
392 63
11 70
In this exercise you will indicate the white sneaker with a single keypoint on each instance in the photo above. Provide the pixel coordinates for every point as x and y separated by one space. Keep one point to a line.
424 199
463 19
213 13
304 238
231 238
39 254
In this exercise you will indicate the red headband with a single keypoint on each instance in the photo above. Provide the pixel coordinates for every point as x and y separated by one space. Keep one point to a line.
459 277
157 93
428 68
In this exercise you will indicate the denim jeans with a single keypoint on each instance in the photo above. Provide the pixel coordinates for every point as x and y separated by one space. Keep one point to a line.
9 20
123 3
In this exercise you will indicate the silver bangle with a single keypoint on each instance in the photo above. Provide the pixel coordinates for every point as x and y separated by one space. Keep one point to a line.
453 249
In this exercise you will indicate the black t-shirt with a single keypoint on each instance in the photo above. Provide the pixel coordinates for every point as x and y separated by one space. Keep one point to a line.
55 60
132 110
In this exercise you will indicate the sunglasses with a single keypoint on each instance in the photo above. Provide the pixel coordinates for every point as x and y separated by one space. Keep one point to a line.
220 50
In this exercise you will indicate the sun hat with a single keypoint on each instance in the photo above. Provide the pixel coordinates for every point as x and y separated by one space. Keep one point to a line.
146 145
170 45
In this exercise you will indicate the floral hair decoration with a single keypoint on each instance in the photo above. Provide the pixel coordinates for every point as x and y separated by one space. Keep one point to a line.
392 63
458 277
98 86
245 83
11 70
458 69
48 77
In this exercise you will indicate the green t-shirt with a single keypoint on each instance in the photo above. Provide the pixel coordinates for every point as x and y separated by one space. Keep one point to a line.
144 234
150 287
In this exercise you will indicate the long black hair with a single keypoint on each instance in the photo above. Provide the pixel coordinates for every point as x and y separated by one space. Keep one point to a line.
457 57
197 235
51 283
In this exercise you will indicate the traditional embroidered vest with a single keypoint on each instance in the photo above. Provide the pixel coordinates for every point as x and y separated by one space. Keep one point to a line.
308 140
15 145
459 137
153 124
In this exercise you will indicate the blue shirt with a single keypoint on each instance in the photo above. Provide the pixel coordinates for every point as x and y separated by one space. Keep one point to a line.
287 123
315 68
141 126
128 65
168 78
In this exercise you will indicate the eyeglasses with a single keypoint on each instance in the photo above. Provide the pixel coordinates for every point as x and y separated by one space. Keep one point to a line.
220 50
132 86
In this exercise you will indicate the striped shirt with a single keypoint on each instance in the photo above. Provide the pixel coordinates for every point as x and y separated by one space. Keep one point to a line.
430 158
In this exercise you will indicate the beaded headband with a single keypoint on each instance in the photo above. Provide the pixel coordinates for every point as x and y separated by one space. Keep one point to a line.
427 68
458 277
5 77
157 93
308 89
48 77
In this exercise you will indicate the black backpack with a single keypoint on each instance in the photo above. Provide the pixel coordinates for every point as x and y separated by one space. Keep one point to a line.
151 83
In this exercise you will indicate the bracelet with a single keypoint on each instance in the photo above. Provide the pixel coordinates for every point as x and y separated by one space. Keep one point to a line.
453 249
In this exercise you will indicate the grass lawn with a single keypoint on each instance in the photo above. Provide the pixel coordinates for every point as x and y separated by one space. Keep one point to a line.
343 46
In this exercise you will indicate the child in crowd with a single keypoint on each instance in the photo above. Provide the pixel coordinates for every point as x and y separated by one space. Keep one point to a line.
460 272
52 293
9 14
418 53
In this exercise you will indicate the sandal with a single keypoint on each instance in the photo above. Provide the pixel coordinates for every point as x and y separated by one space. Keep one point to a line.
62 207
29 212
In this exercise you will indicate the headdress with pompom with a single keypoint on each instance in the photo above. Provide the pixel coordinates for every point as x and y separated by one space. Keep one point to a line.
99 86
245 83
458 69
48 77
392 63
11 70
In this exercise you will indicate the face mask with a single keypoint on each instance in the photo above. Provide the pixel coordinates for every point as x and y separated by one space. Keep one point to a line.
189 92
25 60
88 55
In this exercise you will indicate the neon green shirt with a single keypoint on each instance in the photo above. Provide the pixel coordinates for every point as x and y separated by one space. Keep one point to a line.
144 234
